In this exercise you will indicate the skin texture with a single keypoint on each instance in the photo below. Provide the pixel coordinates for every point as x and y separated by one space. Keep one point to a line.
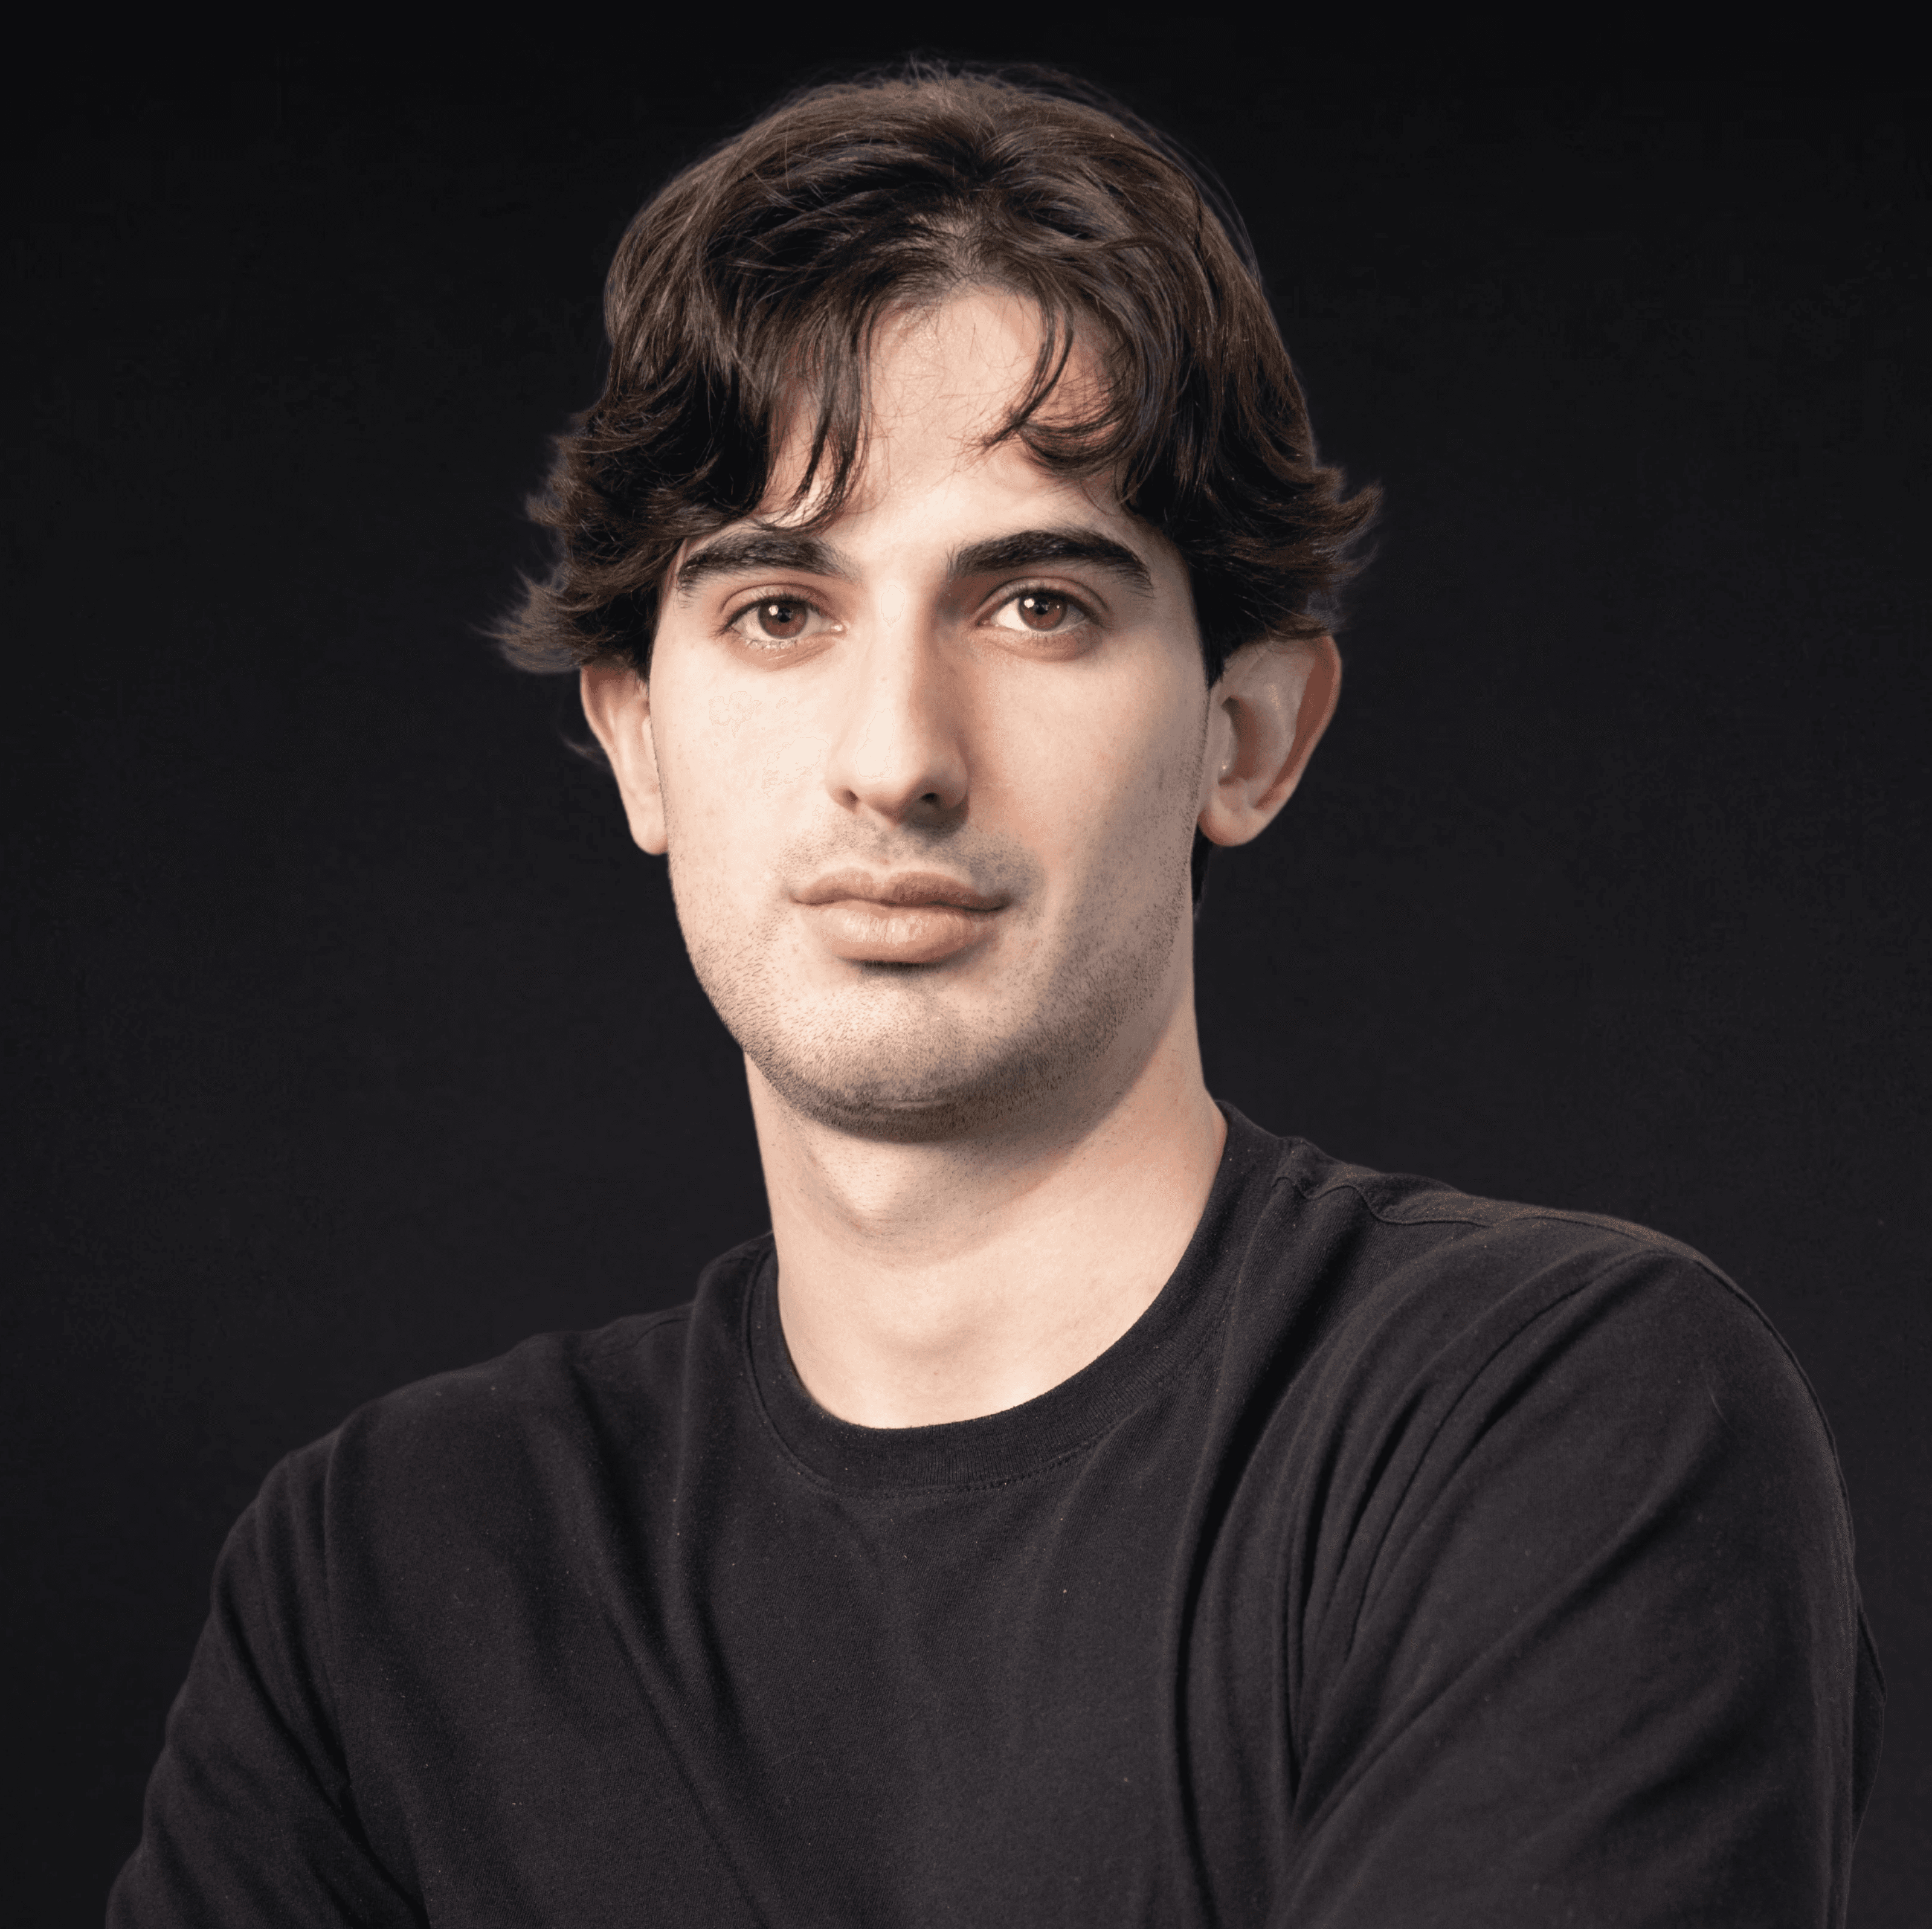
927 794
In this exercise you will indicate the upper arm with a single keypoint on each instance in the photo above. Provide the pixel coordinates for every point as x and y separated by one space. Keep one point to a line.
250 1817
1594 1650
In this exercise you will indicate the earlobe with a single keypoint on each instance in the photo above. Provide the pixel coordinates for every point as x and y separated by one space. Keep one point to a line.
617 706
1268 713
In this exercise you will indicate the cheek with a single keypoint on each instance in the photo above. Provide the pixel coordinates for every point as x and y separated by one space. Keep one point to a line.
1104 774
730 760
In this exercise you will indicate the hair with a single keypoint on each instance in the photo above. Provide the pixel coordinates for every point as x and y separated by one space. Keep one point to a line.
752 284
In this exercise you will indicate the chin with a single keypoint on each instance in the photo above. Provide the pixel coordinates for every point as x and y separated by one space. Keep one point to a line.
928 1105
925 1075
902 1056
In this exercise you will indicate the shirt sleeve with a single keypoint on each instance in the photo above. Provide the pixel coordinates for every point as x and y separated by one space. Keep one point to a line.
1592 1652
250 1819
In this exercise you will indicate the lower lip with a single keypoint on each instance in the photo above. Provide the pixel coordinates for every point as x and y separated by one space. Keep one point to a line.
864 932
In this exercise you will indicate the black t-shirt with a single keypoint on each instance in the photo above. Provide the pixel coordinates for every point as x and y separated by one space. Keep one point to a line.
1414 1559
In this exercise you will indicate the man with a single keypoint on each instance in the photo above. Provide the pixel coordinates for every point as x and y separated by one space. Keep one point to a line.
1083 1506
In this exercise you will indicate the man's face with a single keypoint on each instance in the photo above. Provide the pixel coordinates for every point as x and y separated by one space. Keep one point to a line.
929 774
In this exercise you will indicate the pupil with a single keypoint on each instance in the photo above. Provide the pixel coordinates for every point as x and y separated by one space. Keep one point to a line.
1041 612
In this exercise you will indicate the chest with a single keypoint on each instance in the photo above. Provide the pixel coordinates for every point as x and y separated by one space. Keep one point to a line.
892 1708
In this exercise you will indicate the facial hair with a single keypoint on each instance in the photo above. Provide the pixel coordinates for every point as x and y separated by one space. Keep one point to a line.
889 1056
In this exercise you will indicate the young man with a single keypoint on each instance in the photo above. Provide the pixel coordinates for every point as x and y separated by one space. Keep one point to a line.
1083 1506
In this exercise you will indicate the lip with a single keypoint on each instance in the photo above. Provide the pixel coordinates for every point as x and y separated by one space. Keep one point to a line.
899 887
906 917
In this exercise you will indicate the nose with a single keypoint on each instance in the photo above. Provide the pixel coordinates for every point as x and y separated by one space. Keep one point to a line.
898 753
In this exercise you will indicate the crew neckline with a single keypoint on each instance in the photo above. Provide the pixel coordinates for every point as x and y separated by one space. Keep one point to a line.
997 1448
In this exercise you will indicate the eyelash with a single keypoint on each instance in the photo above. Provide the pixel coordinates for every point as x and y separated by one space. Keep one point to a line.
1084 611
1014 595
744 610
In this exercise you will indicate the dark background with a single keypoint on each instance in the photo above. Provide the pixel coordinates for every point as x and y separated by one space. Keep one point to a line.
349 1039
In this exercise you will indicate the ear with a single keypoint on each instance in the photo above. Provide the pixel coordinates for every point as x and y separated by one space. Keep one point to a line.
1265 717
617 706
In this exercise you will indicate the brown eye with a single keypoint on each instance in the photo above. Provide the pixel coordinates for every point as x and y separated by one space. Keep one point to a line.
1040 611
781 620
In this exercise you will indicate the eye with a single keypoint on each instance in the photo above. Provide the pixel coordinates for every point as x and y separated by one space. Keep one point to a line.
1043 612
778 619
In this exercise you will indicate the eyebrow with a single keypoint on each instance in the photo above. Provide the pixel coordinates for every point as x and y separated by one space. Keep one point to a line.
750 551
1031 548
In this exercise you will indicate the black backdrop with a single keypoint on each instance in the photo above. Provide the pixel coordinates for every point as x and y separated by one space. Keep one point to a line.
349 1039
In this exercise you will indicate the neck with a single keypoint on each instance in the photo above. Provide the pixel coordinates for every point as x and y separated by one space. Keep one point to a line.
923 1283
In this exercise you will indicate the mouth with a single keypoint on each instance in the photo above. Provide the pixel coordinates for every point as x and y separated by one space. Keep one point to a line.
917 917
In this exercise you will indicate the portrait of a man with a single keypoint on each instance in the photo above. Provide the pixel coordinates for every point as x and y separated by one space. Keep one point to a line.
1084 1505
1083 1488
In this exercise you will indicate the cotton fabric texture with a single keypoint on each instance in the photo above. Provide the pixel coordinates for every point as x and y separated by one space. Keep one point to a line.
1415 1559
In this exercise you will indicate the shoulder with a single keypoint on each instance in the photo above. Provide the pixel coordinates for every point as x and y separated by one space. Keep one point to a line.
1507 1400
1422 1304
1566 1552
547 1385
456 1459
474 1450
1409 1218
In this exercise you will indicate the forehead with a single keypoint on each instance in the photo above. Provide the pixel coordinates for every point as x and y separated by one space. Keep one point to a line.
973 355
943 379
938 491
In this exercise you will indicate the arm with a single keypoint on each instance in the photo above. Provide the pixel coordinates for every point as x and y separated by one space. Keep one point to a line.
250 1818
1594 1653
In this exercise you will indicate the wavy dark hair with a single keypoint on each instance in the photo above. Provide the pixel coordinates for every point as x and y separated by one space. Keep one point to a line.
756 278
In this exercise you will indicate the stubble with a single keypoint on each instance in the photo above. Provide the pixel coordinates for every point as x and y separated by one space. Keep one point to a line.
896 1053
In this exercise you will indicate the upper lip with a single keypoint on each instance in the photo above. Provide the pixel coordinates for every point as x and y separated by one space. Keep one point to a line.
899 887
